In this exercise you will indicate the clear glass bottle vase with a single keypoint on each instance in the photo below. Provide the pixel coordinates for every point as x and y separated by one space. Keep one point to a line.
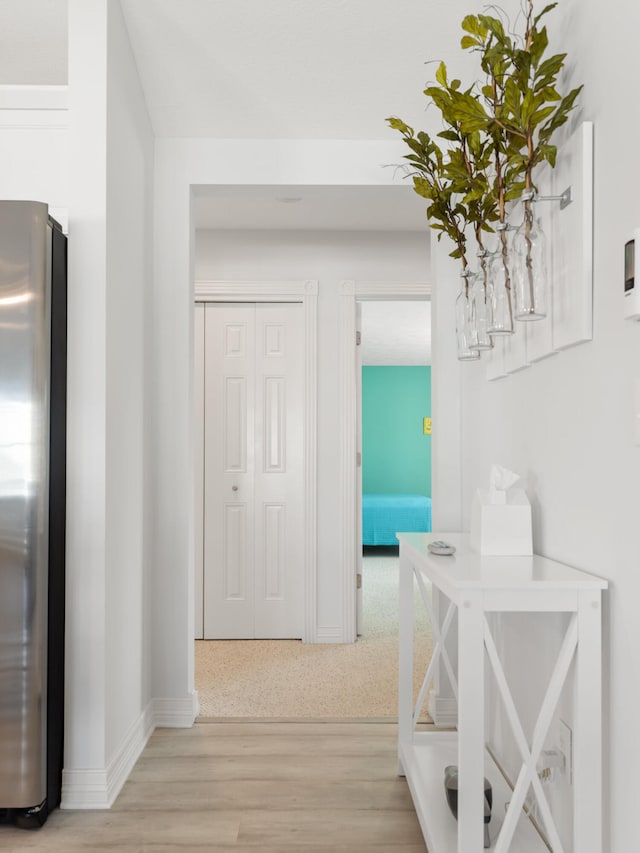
500 286
529 267
480 293
466 331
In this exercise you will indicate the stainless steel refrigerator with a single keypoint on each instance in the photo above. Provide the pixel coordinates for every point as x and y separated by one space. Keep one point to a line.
33 285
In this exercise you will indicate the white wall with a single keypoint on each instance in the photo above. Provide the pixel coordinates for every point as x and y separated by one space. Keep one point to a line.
330 257
34 145
130 145
565 424
445 392
111 151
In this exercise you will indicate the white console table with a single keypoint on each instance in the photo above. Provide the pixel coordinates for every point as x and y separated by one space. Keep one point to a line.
477 585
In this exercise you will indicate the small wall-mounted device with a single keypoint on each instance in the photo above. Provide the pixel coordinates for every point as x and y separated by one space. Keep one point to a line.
632 277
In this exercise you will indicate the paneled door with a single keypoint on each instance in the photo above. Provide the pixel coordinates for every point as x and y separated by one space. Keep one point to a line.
253 471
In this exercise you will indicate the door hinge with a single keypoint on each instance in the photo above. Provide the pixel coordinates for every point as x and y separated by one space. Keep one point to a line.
358 338
359 580
358 459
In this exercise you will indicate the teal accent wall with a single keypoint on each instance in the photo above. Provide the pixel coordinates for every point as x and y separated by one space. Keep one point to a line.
396 455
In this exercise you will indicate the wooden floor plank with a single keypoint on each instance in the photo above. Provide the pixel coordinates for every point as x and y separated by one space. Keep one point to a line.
240 728
274 744
212 847
333 793
114 829
211 768
294 829
320 728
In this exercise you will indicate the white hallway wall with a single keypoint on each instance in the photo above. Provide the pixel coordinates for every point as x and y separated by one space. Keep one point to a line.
565 424
130 147
330 257
108 690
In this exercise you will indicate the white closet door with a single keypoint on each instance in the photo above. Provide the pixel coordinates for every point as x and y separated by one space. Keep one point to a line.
229 468
279 519
253 539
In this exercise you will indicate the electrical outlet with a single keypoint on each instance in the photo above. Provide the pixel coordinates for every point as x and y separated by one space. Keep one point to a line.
565 746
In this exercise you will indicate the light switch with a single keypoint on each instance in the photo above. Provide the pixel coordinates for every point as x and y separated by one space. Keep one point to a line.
426 426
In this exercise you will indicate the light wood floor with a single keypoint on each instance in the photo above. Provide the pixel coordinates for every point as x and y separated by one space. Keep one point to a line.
244 787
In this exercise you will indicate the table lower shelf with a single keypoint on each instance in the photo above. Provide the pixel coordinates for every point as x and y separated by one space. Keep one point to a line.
423 762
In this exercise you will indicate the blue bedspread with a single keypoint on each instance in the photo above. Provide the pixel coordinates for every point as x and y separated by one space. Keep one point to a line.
385 515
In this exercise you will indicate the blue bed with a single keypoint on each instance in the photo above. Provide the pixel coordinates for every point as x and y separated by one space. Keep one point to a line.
385 515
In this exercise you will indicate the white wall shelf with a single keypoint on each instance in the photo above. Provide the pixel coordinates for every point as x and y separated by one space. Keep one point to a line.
476 585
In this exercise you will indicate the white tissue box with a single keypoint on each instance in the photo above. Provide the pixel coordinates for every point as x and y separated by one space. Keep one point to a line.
501 528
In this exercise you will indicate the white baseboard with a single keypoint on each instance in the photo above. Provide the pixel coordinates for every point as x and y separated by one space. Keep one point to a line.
84 789
443 711
97 788
176 713
329 634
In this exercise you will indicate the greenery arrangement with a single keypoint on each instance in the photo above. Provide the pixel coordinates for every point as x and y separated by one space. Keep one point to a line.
497 131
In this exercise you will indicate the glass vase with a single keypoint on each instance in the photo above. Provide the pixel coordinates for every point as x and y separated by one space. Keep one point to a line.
481 309
529 268
466 331
501 322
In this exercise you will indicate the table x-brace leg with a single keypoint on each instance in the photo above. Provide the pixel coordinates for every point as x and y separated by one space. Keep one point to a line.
528 774
439 650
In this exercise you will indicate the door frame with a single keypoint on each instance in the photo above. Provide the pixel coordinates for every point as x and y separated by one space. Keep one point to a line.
351 292
305 292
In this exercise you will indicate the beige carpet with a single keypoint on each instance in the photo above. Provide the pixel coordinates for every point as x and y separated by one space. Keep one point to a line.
286 678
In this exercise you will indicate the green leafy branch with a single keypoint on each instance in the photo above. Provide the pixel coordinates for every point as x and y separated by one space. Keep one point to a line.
426 166
525 106
470 155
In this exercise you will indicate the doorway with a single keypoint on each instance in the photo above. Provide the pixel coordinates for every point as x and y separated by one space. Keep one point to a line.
353 295
394 440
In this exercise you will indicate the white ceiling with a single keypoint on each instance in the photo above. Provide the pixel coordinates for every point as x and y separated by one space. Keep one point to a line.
311 69
396 333
339 208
